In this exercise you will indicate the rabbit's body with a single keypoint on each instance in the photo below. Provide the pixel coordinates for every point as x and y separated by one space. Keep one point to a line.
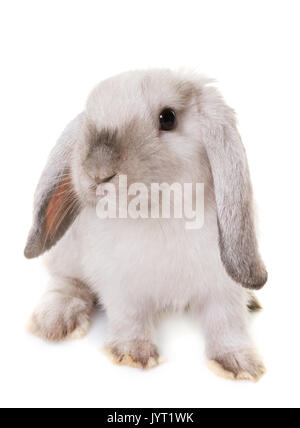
140 268
164 265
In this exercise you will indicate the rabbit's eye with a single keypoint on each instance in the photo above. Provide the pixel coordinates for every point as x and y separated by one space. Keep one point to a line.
167 119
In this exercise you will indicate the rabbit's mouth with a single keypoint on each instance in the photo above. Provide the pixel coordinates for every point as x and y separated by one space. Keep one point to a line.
98 181
107 179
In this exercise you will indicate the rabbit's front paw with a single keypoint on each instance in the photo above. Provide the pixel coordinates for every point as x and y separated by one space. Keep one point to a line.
136 353
60 317
239 365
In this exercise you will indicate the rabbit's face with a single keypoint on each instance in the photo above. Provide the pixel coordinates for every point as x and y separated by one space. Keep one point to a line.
140 124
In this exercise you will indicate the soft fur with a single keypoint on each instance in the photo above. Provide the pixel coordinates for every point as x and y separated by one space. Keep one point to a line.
140 268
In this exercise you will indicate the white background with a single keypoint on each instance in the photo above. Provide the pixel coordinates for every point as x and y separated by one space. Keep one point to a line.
52 54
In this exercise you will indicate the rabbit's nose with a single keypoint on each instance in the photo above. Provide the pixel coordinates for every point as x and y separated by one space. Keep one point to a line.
103 179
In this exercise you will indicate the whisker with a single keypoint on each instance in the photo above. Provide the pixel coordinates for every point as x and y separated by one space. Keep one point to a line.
56 178
68 210
71 201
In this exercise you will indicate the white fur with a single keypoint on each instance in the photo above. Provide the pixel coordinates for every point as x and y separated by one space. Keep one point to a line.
140 268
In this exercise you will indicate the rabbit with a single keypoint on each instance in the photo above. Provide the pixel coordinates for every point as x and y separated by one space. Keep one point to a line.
151 126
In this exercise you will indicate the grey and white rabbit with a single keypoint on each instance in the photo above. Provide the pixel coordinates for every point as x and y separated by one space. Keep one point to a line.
138 269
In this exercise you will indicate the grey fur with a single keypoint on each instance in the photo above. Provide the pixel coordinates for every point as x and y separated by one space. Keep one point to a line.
55 170
103 150
253 303
233 193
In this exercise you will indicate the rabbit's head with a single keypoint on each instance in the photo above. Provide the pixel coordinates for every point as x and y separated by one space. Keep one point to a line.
143 125
153 126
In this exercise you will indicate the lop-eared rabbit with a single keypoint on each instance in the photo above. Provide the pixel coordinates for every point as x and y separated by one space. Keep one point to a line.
154 126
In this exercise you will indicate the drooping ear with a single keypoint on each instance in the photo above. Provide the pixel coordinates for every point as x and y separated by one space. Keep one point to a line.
233 193
55 204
